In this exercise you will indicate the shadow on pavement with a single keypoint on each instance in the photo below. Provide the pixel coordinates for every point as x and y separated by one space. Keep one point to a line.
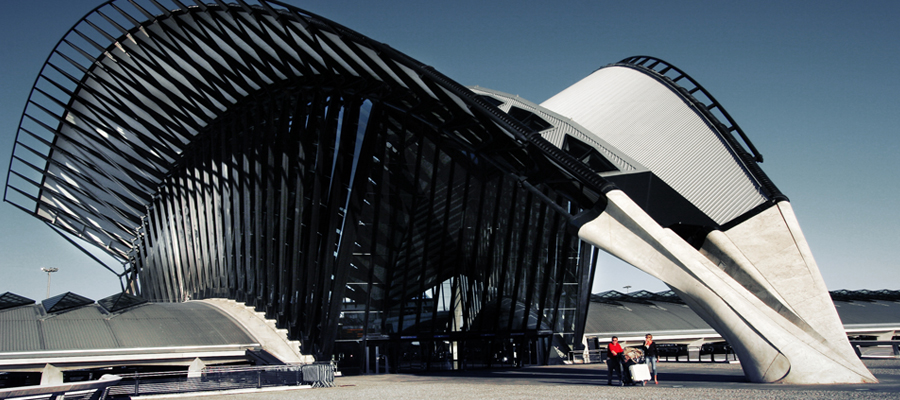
580 375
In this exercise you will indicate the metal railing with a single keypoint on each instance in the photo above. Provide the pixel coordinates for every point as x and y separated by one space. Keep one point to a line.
218 379
687 355
89 390
876 348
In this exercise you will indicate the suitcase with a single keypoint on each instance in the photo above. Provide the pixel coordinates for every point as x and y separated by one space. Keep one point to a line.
639 373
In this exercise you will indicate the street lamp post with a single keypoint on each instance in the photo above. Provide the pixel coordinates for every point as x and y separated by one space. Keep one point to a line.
49 271
626 288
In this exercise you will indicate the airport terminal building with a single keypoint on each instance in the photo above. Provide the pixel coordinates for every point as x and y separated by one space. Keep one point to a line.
266 155
381 212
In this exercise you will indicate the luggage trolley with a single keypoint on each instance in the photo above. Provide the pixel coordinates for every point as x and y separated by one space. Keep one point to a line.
636 369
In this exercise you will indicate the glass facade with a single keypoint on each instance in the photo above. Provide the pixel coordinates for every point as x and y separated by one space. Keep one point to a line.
350 223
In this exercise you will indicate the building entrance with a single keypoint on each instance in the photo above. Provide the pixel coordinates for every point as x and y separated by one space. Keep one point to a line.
439 354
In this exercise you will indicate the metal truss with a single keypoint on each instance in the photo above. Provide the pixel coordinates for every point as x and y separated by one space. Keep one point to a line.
255 151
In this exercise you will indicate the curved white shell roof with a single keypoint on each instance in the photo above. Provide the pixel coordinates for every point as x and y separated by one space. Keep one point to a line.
656 126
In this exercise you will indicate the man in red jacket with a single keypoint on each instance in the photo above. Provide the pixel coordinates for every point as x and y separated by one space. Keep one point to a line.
613 360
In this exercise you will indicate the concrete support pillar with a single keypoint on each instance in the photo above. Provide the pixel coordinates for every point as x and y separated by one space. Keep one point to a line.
51 376
196 368
756 284
457 311
586 353
693 350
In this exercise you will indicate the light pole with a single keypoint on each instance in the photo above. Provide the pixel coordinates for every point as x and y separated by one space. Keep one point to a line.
626 288
49 271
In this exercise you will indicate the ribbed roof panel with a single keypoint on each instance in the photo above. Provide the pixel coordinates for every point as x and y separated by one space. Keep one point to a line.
77 330
651 123
562 127
631 317
151 325
20 329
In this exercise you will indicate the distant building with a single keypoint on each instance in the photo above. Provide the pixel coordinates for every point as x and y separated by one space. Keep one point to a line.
866 315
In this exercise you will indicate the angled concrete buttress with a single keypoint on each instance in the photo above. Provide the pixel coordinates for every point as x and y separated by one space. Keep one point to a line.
765 296
136 154
690 206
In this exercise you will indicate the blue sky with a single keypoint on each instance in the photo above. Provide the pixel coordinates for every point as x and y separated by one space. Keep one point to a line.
813 84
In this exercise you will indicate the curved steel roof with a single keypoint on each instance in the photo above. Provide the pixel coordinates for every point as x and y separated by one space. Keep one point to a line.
645 114
128 88
131 85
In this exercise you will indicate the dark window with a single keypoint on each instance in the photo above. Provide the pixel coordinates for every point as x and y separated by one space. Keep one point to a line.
588 155
119 302
10 300
529 118
64 302
490 100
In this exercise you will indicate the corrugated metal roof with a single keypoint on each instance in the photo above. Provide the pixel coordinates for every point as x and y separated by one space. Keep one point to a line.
655 316
152 325
84 328
651 123
636 317
564 126
873 312
20 329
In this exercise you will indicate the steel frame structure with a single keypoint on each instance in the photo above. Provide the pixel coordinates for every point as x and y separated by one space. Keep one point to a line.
260 152
375 207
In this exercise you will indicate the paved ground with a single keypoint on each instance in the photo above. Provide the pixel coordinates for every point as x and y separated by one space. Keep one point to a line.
677 381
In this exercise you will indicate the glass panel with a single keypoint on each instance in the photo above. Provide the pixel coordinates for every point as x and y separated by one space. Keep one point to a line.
529 118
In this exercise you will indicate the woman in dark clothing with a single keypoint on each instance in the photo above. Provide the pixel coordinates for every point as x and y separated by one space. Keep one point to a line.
651 354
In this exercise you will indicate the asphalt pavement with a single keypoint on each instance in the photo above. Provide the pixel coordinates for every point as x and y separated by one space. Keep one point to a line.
677 380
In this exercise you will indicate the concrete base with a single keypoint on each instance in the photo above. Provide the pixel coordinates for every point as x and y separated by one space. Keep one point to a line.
272 339
756 284
51 376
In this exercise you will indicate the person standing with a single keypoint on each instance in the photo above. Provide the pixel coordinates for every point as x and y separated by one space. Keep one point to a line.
651 354
613 360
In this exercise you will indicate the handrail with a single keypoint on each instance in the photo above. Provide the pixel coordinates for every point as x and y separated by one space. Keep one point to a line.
663 67
59 391
662 70
859 344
